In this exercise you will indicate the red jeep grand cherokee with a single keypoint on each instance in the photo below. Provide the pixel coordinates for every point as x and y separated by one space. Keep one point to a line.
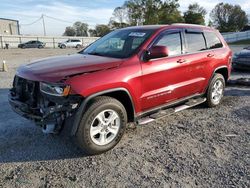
135 74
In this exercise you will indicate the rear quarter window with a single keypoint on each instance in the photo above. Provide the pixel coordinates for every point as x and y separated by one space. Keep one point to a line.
195 42
212 40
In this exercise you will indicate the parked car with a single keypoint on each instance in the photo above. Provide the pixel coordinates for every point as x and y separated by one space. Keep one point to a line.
241 60
32 44
71 43
135 74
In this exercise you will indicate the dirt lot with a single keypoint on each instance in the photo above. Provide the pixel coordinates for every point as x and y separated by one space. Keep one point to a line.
199 147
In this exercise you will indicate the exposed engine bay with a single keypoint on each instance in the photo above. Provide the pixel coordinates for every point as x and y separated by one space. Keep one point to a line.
45 110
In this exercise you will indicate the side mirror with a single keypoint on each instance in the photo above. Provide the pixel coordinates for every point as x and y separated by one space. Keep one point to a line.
156 52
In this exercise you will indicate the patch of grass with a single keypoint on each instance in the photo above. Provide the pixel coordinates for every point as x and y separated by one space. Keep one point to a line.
240 42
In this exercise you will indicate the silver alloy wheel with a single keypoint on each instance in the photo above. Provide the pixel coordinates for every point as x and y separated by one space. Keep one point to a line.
105 127
217 92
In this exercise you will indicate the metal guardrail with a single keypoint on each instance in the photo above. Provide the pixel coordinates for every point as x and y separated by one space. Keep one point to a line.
51 41
237 36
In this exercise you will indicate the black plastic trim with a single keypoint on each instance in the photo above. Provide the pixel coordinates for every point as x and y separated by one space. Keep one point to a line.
211 77
82 108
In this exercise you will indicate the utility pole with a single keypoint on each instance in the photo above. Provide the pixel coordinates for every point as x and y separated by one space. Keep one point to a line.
44 30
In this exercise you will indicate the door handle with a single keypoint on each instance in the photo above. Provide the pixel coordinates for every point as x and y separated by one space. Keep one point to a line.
181 61
210 55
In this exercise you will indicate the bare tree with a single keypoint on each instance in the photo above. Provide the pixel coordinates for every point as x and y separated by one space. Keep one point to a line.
120 14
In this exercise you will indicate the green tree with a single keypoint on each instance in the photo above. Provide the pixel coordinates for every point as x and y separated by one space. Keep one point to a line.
69 31
81 29
228 18
195 14
169 13
153 12
210 23
135 11
116 25
102 30
151 8
92 33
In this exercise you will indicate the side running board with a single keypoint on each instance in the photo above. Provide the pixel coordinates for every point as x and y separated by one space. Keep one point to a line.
163 113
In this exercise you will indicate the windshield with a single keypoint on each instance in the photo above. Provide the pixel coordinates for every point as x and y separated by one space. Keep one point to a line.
119 43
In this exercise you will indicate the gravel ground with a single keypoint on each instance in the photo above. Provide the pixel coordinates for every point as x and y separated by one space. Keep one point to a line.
199 147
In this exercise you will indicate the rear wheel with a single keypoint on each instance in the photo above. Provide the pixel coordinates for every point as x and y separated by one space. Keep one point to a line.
78 46
215 90
102 125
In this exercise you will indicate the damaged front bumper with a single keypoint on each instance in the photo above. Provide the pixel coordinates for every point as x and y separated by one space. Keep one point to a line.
47 111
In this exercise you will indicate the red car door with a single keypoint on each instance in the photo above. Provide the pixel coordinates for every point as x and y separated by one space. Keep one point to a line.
170 78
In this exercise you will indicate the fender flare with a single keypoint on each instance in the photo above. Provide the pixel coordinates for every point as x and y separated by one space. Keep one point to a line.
80 111
211 77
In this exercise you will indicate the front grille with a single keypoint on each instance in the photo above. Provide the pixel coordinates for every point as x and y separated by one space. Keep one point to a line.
25 91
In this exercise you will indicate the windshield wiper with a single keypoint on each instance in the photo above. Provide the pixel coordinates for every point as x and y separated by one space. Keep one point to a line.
95 53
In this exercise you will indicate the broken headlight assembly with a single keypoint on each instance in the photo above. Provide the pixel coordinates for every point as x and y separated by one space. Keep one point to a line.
60 90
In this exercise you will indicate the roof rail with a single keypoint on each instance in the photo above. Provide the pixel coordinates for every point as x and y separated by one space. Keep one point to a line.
185 24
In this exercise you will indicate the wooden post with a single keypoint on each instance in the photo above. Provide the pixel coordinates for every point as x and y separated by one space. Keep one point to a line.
54 43
5 69
1 41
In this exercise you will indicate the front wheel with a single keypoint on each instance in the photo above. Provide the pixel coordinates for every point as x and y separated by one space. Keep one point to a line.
215 90
102 125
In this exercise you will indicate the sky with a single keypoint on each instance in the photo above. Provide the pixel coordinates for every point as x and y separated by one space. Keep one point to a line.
68 11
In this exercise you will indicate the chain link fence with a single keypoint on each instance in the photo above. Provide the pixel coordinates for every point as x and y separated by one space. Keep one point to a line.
51 42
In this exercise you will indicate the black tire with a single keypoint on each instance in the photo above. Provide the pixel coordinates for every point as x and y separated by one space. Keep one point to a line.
40 46
23 47
96 106
78 46
63 46
210 101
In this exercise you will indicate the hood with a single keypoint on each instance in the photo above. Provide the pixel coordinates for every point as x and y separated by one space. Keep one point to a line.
244 53
54 69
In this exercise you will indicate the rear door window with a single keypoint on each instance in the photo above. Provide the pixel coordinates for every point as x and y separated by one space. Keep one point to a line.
212 40
172 41
195 42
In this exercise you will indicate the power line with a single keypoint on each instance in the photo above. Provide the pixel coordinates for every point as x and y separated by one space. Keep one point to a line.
44 23
65 21
32 22
57 19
